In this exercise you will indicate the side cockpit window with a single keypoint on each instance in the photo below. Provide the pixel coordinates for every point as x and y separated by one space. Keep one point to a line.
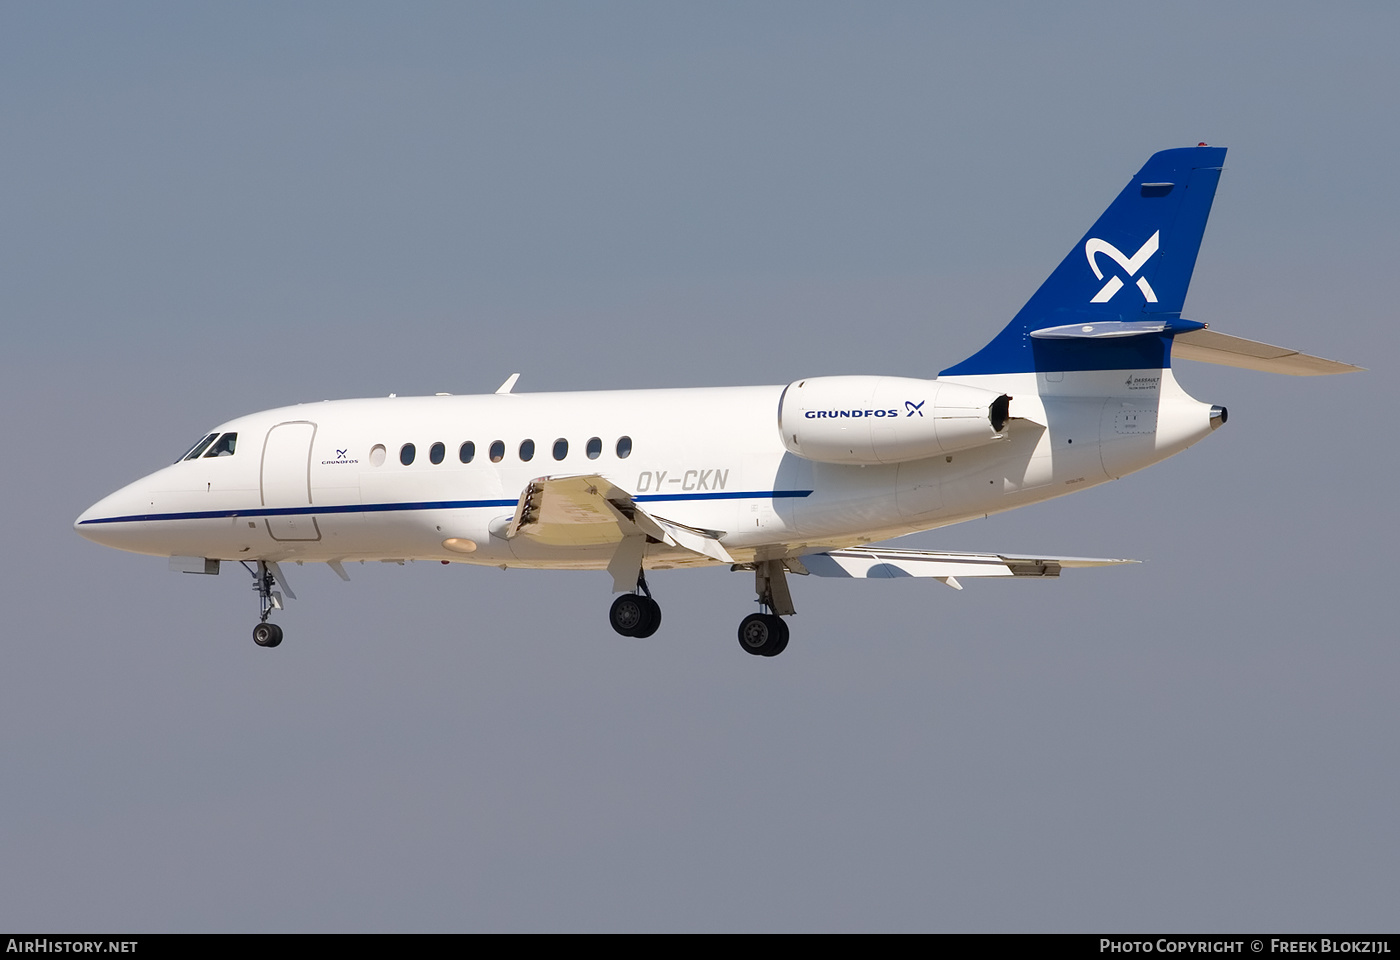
224 446
198 448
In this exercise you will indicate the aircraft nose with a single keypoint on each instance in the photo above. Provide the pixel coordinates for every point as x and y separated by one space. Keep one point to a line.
89 520
99 522
118 519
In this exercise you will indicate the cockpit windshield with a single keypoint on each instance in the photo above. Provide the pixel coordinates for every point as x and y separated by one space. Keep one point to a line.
198 448
224 446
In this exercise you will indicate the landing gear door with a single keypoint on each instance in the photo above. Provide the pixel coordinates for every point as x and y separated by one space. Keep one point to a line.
286 480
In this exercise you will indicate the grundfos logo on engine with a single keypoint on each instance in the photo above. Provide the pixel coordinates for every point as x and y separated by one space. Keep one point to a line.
833 414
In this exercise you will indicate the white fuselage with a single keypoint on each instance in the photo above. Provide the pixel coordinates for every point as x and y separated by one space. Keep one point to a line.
325 482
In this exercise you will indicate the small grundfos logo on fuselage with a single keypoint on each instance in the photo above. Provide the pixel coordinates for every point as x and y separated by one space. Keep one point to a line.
342 458
1130 265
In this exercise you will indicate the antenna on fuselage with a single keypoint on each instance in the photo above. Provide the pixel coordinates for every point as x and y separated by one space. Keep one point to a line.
509 385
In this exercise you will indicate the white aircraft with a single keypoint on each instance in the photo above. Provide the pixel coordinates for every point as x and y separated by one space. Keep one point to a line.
796 479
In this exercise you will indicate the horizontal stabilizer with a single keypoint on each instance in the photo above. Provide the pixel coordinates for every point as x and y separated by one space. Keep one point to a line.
1211 347
1112 329
867 563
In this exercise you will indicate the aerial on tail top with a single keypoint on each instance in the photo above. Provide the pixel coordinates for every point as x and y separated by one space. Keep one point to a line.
787 479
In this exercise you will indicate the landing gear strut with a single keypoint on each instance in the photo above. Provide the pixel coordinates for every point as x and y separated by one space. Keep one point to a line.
636 614
266 634
766 634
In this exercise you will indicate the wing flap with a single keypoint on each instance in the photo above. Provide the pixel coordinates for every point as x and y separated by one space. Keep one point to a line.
569 511
697 541
591 510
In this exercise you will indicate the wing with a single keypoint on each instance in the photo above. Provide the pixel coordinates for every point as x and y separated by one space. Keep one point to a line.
871 563
591 510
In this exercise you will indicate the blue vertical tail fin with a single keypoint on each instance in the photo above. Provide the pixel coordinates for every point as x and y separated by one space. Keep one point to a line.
1132 267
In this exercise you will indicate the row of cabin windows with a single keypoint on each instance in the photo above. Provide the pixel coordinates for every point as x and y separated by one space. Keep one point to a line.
497 451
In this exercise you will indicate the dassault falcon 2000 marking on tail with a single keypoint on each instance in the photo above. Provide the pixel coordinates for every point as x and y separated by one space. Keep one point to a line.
1075 391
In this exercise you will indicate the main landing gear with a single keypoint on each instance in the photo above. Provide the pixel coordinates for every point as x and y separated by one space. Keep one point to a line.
763 634
766 634
636 614
264 579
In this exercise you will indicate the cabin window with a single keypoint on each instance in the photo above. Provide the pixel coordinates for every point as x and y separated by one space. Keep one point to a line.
406 453
436 452
594 449
498 451
624 448
467 452
224 447
376 455
527 450
198 448
561 448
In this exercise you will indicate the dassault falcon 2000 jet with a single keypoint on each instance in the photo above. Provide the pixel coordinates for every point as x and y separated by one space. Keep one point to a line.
787 479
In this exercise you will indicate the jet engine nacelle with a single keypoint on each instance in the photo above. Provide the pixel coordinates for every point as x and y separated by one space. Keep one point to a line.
875 420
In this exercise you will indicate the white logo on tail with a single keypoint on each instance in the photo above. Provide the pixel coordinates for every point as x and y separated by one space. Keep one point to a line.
1130 265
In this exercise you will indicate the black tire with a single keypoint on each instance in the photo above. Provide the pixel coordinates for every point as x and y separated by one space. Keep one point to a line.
267 634
759 633
653 619
630 614
782 643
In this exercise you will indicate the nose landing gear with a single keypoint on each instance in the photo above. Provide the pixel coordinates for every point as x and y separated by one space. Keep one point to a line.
267 634
266 576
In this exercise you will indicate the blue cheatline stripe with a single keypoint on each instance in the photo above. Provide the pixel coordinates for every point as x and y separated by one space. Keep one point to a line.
420 505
